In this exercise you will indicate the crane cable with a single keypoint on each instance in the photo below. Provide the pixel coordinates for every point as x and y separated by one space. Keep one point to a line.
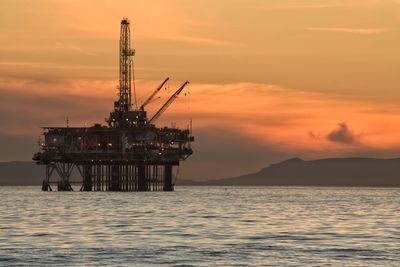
189 111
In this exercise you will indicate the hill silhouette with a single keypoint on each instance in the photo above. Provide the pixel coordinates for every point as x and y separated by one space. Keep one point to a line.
292 172
323 172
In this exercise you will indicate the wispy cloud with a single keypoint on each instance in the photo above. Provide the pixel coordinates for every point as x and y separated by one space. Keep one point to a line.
265 121
290 115
310 6
195 40
349 30
326 4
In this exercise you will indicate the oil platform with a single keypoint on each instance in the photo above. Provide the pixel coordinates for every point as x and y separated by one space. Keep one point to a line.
128 154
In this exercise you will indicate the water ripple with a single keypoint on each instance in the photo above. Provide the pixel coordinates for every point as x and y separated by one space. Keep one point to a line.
201 226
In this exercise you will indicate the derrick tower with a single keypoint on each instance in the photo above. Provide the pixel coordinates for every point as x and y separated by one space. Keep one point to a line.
124 102
128 154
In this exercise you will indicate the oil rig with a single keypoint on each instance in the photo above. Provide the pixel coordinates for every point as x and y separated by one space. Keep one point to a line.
128 154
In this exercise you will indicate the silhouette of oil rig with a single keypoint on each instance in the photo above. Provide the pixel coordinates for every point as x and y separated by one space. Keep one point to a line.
128 154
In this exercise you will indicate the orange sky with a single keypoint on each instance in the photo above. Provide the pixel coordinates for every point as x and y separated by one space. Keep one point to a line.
269 79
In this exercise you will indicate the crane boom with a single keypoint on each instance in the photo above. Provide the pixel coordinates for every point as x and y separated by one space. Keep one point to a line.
169 101
147 101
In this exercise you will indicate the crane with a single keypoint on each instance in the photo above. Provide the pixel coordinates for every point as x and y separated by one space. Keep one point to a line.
147 101
169 101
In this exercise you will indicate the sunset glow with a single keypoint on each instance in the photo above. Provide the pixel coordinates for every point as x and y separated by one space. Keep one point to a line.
304 79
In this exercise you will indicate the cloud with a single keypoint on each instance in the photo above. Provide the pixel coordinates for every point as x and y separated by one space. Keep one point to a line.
221 152
342 134
171 21
239 127
197 40
365 31
314 135
310 6
326 4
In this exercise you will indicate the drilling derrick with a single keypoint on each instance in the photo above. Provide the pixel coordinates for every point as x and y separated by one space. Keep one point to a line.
128 154
123 106
125 68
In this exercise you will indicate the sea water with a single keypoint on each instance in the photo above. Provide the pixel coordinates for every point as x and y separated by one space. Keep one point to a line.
201 226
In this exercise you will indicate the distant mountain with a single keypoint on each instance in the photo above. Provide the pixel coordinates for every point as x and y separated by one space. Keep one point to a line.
292 172
323 172
21 173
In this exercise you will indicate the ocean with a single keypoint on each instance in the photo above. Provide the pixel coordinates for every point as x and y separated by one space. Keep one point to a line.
201 226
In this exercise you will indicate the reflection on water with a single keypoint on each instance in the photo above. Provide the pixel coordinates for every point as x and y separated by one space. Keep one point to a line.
201 226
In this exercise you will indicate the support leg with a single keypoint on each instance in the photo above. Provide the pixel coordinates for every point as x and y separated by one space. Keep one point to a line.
46 182
87 178
142 186
168 186
115 178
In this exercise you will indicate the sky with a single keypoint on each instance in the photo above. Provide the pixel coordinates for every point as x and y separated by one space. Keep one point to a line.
269 80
